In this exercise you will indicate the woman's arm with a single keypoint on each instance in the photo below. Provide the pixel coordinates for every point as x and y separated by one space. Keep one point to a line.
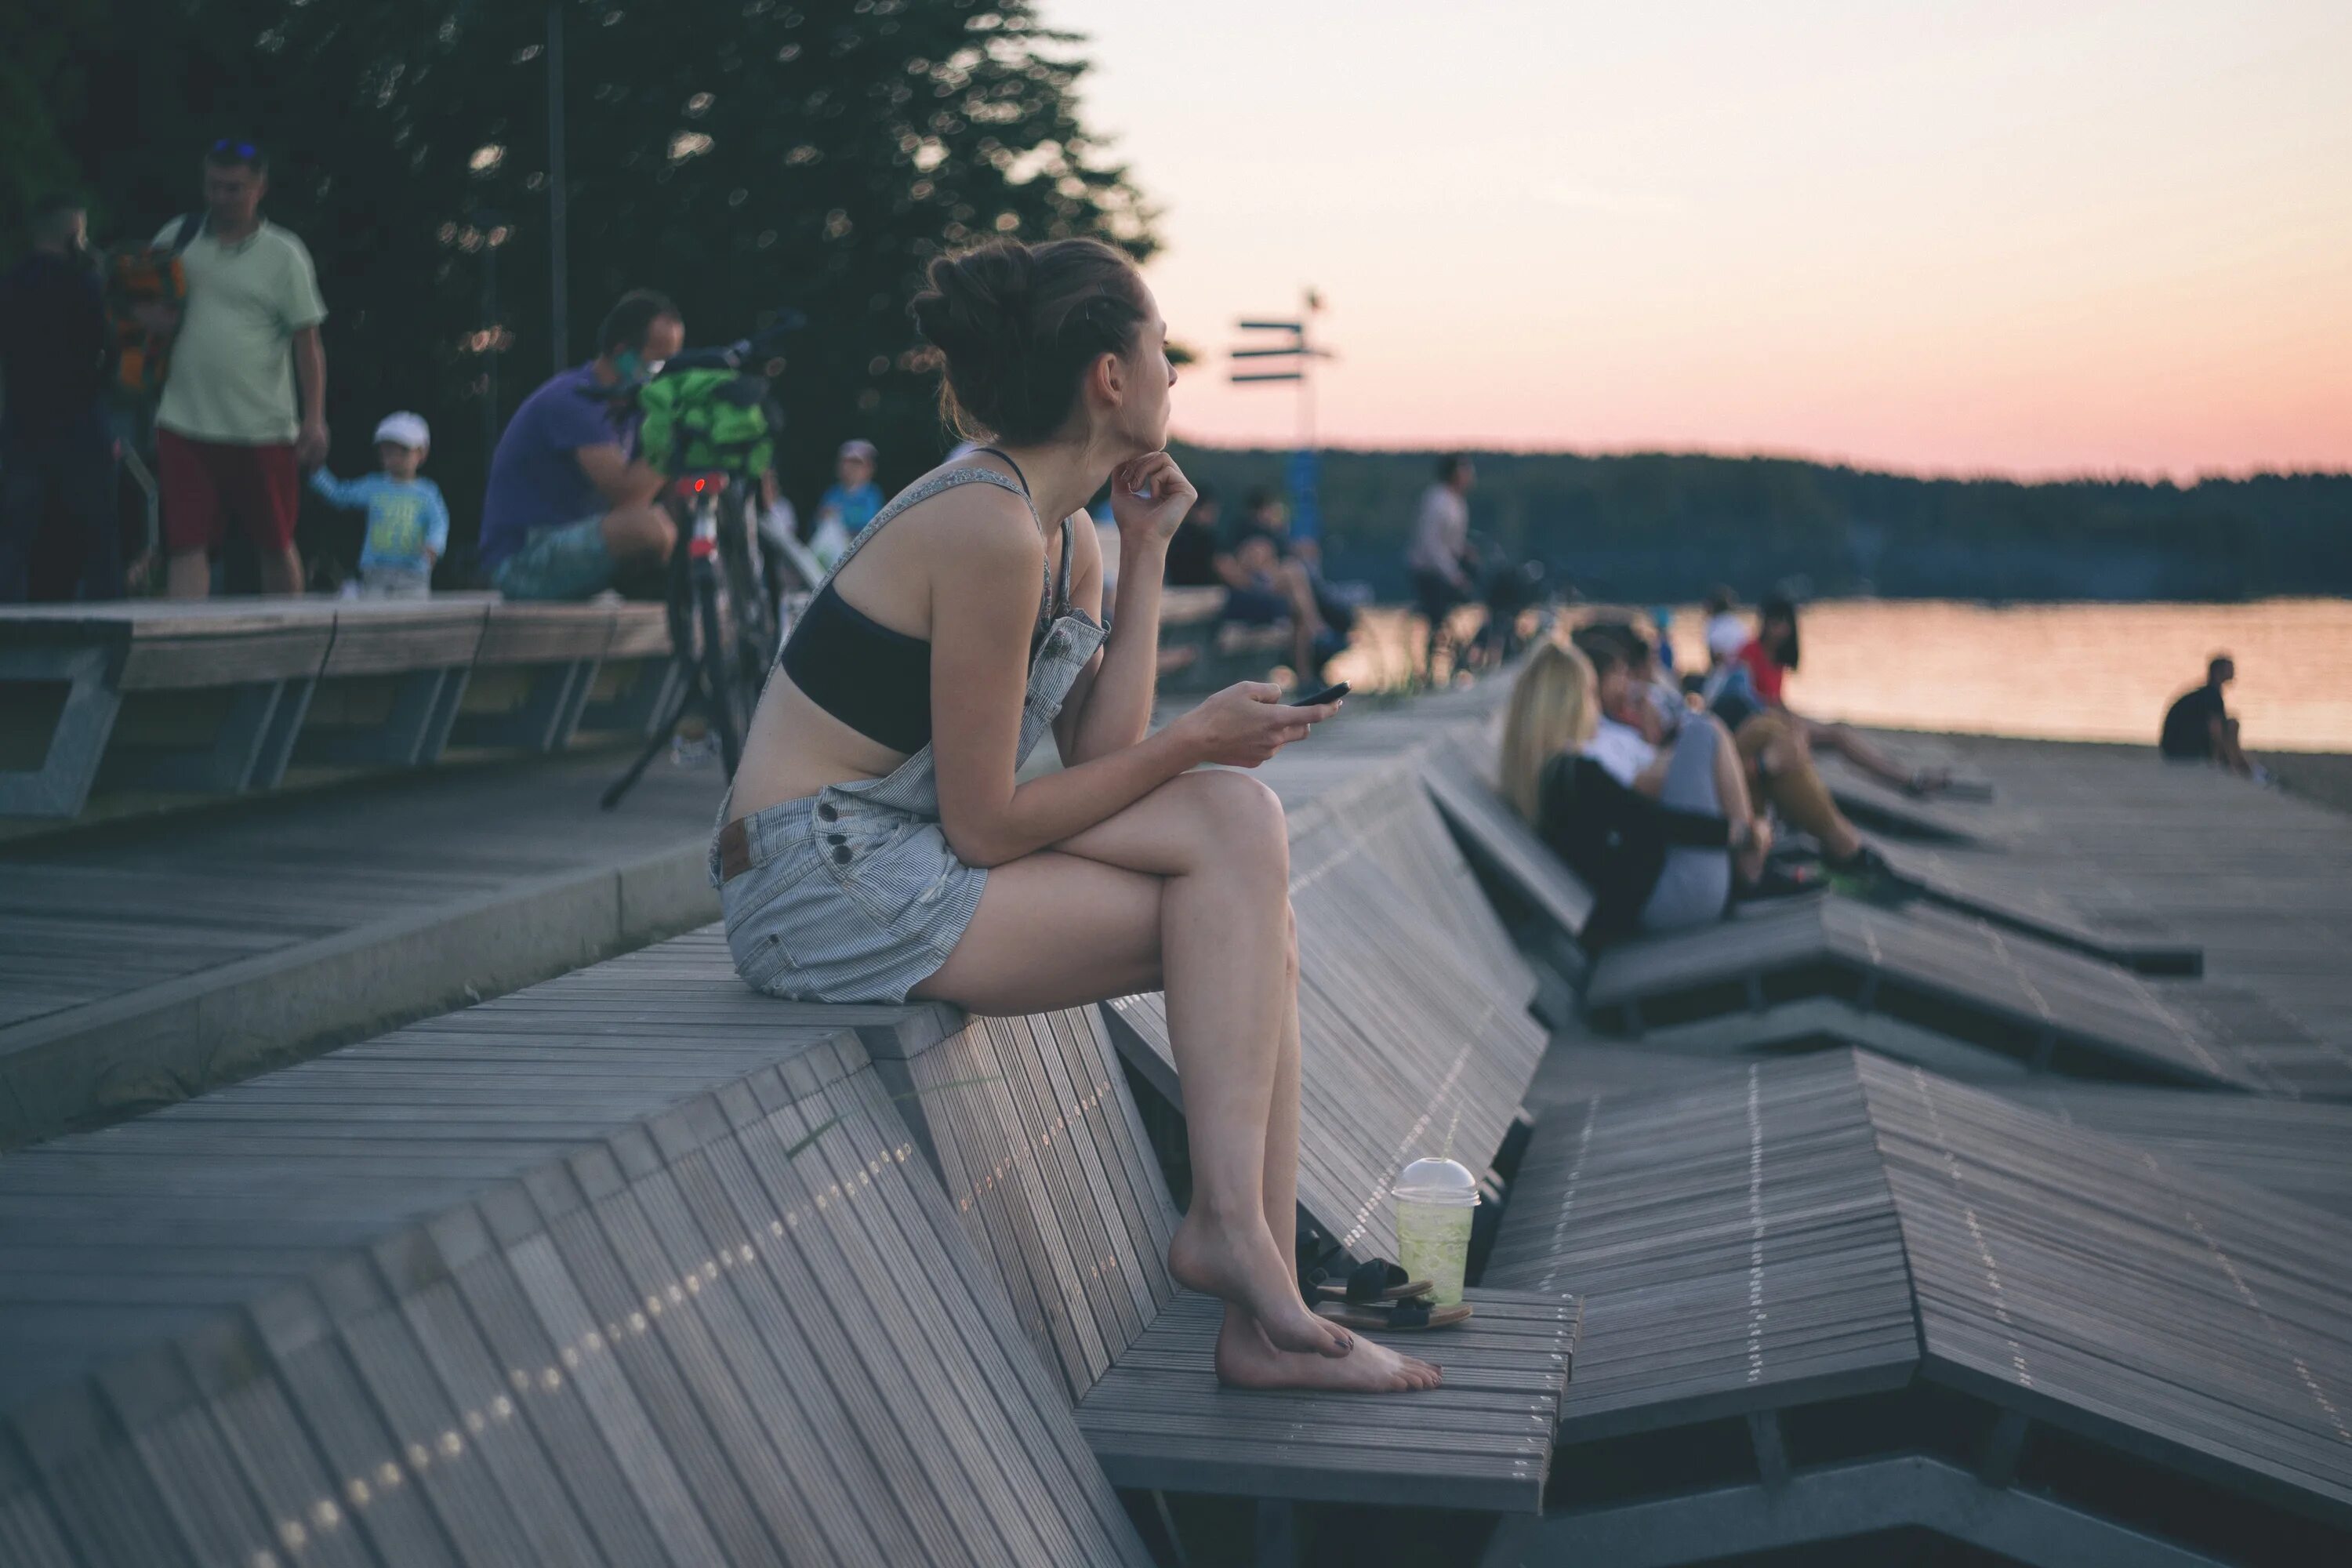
984 603
1110 707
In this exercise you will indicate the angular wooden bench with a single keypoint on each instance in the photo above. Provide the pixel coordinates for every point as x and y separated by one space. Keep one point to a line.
1414 1033
219 697
634 1267
1936 980
1840 1295
1042 1153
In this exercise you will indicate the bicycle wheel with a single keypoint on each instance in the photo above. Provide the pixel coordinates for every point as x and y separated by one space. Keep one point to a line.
751 602
720 679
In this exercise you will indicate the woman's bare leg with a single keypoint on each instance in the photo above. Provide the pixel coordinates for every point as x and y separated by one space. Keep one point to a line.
1172 892
1850 745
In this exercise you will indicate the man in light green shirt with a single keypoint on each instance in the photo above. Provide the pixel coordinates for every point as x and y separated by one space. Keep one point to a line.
229 436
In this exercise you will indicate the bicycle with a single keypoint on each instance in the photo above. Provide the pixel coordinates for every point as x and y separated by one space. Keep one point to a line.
724 603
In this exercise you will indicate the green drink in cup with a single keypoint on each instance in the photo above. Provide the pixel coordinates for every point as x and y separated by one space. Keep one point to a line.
1434 1199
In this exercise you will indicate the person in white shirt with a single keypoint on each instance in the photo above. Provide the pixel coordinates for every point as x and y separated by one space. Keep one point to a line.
1440 545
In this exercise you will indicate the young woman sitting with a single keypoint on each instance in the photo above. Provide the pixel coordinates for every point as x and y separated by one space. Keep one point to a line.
1656 833
1768 658
880 845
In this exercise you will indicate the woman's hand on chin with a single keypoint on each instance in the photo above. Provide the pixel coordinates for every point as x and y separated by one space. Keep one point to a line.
1148 497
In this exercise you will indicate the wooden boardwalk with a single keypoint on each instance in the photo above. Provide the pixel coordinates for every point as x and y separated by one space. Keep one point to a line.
1833 966
1822 1240
1044 1158
2300 1148
539 1283
1409 1046
141 962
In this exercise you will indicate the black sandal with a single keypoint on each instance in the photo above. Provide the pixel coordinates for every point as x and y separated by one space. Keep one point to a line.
1414 1314
1367 1285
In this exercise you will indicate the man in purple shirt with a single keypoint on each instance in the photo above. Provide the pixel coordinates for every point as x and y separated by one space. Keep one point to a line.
569 505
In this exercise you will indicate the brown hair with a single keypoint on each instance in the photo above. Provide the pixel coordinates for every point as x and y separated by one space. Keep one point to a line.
1019 324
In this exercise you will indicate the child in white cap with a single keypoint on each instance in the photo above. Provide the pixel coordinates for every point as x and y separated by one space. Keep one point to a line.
408 522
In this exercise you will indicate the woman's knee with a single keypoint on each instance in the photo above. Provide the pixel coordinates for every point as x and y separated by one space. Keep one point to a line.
1237 819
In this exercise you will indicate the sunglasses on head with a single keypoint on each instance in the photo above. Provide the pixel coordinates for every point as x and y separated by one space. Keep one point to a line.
240 149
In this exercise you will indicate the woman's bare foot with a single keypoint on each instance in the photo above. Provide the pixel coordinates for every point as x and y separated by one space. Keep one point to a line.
1240 1266
1247 1359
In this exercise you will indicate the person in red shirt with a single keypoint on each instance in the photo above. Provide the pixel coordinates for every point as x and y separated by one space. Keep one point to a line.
1768 657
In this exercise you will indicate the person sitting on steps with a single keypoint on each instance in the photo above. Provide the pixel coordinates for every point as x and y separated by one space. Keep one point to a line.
1657 832
878 844
1768 658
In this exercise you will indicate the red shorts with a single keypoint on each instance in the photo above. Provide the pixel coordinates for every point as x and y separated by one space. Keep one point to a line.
204 481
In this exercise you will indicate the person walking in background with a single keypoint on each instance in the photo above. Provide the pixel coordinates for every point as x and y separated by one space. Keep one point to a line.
229 437
407 520
1437 554
848 504
569 504
2198 727
1725 634
55 448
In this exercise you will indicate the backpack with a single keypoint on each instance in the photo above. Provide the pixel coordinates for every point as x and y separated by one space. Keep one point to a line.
152 275
715 420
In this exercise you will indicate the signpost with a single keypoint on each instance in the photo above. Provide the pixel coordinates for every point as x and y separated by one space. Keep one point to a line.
1294 344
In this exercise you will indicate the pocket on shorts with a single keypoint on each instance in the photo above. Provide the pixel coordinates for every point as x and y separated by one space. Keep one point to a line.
763 909
893 870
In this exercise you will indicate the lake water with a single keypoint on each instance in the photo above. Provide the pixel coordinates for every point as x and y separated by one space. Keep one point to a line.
2072 672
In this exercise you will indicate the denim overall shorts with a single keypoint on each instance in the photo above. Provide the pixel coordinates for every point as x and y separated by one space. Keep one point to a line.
853 894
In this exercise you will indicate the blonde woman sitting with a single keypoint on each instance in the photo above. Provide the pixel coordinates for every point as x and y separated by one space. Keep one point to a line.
1657 832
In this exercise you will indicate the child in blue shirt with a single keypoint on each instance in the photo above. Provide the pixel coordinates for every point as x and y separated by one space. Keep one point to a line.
408 522
846 509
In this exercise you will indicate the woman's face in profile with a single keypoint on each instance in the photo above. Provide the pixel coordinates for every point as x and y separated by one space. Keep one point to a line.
1147 406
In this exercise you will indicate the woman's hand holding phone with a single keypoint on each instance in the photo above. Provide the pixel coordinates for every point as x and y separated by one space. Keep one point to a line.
1245 724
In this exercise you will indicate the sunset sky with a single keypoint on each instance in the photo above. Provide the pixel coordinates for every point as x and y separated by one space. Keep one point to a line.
2046 237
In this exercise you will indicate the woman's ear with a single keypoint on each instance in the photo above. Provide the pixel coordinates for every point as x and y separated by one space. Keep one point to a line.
1110 378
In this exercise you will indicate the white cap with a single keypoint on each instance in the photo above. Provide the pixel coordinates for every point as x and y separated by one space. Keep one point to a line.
858 449
1726 635
404 429
1445 1184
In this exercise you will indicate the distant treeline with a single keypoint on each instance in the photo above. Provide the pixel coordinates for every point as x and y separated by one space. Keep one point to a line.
1665 526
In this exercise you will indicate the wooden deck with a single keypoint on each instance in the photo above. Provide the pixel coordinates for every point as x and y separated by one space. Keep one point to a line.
541 1282
1044 1158
1822 1241
1409 1046
1833 967
140 964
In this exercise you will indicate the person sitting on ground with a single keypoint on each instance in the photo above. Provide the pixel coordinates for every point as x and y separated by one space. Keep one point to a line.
1773 754
1769 656
1657 834
569 506
881 843
1266 586
2198 727
848 504
407 520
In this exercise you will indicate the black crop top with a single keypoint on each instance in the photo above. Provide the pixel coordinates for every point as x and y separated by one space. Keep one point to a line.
877 680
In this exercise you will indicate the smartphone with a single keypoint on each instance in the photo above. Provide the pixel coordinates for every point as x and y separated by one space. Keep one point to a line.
1316 699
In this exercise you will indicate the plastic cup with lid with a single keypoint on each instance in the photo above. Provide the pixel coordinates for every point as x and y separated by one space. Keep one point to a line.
1434 1199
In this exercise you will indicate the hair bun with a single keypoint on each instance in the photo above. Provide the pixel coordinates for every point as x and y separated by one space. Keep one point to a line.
1016 327
976 301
